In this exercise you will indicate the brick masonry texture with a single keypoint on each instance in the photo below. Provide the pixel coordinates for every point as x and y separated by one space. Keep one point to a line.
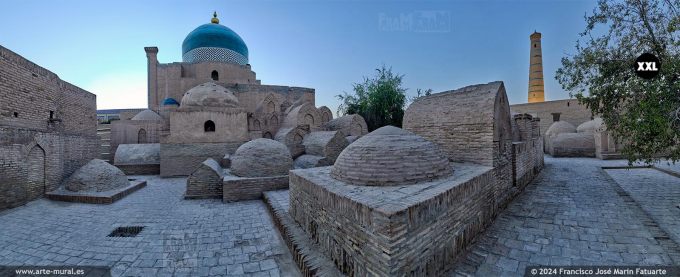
420 229
36 152
180 159
205 181
327 144
237 189
466 123
390 156
106 197
350 125
389 231
261 158
570 111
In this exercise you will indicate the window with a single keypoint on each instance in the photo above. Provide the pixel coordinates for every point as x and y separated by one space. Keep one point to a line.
51 114
215 76
534 45
141 136
556 117
16 114
209 126
567 104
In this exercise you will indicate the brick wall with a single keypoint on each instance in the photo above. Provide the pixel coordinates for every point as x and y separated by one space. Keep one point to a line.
570 111
182 159
237 189
48 129
205 181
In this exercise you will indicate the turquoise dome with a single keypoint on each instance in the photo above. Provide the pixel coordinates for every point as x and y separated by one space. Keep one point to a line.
170 101
214 42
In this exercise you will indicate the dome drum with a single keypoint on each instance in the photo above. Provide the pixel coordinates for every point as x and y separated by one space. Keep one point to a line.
214 42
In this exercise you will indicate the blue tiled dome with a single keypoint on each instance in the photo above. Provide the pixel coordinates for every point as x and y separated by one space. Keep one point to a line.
170 101
214 42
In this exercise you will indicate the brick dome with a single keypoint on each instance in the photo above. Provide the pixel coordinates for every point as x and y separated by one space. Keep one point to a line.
147 115
261 158
209 95
390 156
560 127
97 175
590 126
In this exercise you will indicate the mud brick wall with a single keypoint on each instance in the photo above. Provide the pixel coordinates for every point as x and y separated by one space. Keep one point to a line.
48 129
237 189
466 123
205 181
569 109
422 240
182 159
146 169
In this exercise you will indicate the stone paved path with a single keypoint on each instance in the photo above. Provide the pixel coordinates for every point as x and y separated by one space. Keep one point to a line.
196 238
657 193
572 214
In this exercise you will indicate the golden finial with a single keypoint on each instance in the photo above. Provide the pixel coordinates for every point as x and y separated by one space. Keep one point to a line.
214 19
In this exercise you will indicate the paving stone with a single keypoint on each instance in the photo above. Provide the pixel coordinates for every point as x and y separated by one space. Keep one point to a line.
181 237
574 213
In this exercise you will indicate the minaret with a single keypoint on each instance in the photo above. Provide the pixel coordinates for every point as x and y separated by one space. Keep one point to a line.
536 91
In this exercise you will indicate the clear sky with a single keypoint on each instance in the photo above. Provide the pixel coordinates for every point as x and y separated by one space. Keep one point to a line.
326 45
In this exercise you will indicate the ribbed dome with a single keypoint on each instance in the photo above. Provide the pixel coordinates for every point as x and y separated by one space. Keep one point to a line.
147 115
390 156
590 126
560 127
214 42
209 95
261 158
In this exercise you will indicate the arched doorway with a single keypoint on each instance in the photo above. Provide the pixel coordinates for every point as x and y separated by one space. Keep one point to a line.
215 76
141 136
35 173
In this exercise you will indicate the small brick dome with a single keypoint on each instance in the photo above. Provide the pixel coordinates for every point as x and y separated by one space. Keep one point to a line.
261 158
390 156
209 95
147 115
96 175
560 127
590 126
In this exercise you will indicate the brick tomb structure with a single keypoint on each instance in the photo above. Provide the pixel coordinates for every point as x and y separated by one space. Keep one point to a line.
257 166
407 202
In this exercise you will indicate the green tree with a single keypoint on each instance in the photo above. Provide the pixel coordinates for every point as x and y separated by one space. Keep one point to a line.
643 114
379 100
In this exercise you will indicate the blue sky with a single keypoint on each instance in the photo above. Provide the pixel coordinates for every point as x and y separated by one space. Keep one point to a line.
326 45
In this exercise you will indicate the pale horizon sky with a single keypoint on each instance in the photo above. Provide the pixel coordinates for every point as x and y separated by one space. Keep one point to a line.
325 45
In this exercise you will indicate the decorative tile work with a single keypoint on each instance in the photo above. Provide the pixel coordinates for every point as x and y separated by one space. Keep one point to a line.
217 54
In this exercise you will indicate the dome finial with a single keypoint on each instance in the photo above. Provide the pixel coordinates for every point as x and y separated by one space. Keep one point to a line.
215 19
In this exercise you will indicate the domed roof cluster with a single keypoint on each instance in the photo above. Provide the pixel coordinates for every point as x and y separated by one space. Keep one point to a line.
261 158
209 95
147 115
214 42
390 156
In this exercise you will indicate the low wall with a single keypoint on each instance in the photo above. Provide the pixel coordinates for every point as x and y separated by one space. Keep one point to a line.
182 159
146 169
237 189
